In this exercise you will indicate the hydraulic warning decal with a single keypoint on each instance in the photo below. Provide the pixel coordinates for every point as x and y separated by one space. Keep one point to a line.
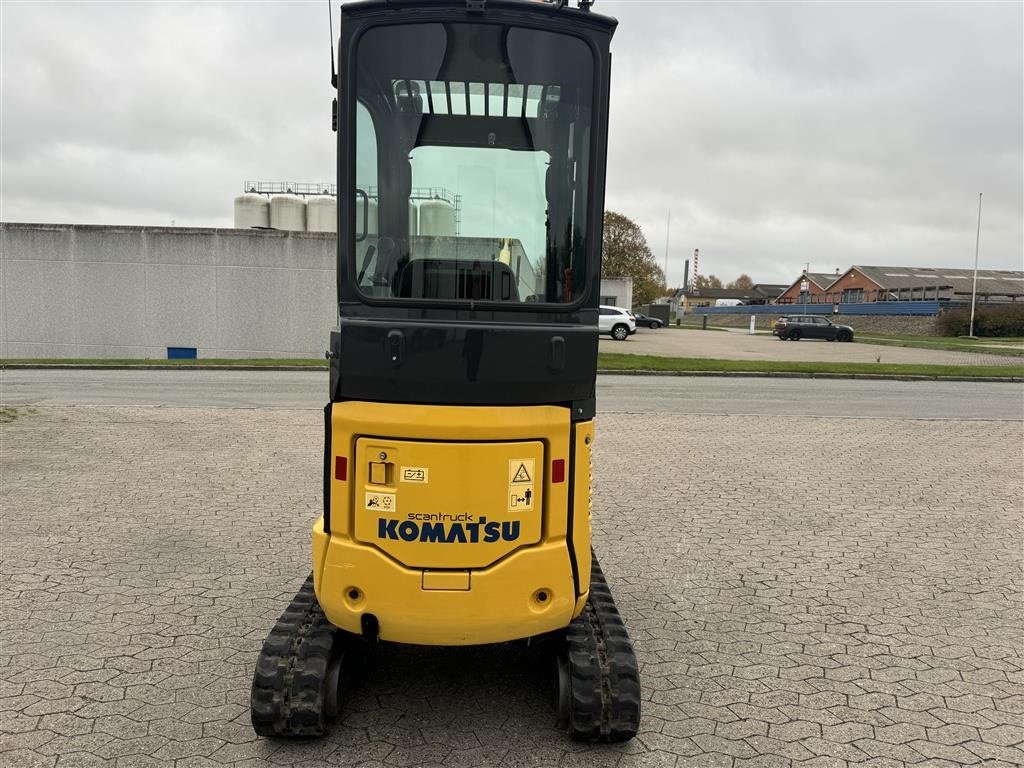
381 502
520 485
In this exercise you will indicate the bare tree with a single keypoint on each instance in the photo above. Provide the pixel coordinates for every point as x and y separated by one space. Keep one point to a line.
742 283
707 281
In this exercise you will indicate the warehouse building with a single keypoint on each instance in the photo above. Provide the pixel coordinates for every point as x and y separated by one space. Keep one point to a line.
865 284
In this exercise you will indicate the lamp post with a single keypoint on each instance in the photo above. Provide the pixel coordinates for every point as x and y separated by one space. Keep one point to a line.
974 285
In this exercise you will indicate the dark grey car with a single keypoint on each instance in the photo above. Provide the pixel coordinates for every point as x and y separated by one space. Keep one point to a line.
796 327
646 321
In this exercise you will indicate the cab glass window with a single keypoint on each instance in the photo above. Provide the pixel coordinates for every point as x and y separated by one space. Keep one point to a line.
472 164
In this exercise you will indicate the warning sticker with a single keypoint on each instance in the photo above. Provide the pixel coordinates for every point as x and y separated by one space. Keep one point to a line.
520 485
520 499
520 472
381 502
414 475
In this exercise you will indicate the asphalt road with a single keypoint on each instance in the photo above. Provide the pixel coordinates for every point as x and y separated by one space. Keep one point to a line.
706 395
736 344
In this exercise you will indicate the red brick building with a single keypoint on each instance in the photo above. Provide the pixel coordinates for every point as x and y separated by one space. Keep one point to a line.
865 284
817 285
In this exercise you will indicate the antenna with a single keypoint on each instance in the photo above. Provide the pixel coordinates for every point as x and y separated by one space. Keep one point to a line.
330 26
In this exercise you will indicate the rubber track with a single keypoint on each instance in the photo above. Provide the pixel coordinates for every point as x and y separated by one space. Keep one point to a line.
604 678
289 683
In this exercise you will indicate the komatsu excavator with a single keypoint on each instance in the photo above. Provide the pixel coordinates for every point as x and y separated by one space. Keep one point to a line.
472 137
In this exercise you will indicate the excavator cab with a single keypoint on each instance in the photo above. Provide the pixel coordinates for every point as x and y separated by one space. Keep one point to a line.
472 137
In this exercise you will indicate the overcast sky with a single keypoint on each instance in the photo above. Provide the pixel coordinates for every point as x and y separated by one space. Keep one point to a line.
777 134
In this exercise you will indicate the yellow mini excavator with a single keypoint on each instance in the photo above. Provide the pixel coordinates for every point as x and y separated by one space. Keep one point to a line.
460 427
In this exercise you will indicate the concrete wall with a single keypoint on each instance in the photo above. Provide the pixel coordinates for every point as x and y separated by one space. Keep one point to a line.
102 291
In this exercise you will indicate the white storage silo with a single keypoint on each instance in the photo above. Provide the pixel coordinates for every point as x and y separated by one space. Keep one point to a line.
251 210
322 214
371 220
288 212
414 219
437 218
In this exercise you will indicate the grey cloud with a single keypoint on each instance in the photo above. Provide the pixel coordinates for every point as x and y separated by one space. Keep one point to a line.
831 133
775 133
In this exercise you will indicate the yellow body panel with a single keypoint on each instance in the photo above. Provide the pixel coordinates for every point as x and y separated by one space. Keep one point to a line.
583 502
433 531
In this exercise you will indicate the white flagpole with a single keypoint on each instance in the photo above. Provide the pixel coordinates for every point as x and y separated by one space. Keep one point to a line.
974 287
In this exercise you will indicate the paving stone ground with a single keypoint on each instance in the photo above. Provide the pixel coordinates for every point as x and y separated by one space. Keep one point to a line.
801 591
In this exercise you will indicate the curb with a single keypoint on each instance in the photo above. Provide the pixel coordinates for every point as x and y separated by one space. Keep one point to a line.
600 371
813 375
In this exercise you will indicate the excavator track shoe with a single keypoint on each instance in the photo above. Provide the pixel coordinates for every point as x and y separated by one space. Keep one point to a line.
598 677
296 688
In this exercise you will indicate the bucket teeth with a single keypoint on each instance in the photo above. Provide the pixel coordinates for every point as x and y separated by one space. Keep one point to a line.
603 696
290 684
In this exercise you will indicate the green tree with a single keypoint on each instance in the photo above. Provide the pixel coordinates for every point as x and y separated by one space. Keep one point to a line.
742 283
707 281
625 253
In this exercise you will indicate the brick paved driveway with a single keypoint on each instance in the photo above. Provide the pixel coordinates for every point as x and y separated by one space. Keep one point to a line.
863 610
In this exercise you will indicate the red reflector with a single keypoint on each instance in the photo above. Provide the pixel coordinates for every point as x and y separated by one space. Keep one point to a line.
340 468
558 471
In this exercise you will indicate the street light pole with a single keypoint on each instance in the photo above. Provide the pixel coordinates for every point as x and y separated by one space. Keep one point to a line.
974 286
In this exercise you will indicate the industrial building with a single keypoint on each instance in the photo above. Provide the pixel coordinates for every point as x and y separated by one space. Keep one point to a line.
866 284
75 290
617 292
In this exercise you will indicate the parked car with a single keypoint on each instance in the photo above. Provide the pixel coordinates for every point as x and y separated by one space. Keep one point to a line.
796 327
617 322
646 321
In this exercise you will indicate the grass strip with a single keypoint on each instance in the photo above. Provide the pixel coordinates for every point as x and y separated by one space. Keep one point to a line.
951 345
612 361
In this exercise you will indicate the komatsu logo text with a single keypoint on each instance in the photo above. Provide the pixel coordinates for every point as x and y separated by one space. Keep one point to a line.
447 529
